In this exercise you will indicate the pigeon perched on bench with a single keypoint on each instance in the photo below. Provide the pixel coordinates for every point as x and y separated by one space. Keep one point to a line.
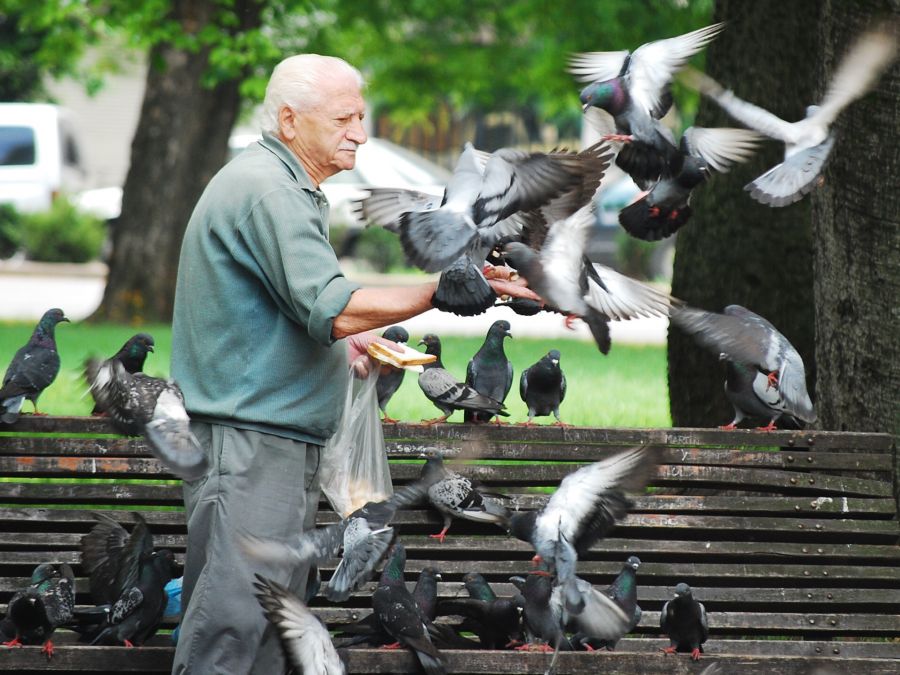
390 379
33 368
448 394
542 387
140 404
132 356
683 619
490 371
496 621
35 612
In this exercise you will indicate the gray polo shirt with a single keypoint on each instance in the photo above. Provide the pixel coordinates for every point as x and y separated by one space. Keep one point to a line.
258 289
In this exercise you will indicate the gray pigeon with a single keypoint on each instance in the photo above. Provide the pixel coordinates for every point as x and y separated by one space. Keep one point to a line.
32 369
583 509
543 387
456 496
36 611
765 375
389 382
808 142
633 87
304 636
442 389
598 617
362 538
132 356
542 617
139 404
666 207
683 619
489 371
623 591
561 274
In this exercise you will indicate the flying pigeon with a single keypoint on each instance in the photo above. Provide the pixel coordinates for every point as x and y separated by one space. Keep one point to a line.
633 87
479 211
561 274
139 404
496 621
305 638
489 371
32 369
36 611
363 537
683 619
764 375
666 207
129 577
598 616
583 509
623 591
456 496
390 379
398 614
442 389
132 356
807 142
542 387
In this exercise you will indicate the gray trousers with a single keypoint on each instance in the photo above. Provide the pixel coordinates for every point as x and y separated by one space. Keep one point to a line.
260 484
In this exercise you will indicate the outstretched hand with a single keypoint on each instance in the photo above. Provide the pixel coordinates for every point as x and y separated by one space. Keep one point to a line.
357 351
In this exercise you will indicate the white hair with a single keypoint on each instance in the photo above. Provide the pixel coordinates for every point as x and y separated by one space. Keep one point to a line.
296 83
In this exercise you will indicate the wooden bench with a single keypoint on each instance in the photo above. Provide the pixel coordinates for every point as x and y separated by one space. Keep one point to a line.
790 539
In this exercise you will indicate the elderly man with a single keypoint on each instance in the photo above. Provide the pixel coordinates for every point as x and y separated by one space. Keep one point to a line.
260 309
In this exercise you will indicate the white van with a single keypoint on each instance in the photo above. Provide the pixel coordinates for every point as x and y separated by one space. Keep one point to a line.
39 156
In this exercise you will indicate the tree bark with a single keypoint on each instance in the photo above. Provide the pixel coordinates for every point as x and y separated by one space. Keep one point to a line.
734 250
856 216
180 142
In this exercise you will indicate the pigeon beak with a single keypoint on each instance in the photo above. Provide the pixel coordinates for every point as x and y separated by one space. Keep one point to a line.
66 319
508 334
438 576
422 342
150 348
585 107
555 362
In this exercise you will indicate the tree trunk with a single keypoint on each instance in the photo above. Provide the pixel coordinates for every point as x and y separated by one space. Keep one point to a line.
857 230
734 250
180 142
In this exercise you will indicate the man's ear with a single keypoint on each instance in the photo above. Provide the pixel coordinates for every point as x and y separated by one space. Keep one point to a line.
286 120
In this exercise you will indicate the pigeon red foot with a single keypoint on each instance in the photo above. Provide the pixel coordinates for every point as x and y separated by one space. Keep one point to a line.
728 427
621 138
440 536
48 649
695 654
769 427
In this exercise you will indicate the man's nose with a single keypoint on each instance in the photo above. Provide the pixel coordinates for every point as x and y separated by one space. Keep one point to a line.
356 132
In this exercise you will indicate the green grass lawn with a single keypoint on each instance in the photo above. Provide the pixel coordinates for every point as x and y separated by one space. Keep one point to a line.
625 389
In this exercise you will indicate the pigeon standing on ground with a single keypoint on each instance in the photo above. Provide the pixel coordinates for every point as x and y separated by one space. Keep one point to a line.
683 619
390 379
32 369
666 207
398 614
362 538
304 636
456 496
442 389
808 142
542 387
489 371
126 573
583 509
132 356
765 376
623 591
634 88
35 612
139 404
561 274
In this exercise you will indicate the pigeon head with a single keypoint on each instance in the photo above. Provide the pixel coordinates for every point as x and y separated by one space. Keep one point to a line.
553 355
521 257
682 590
521 525
139 345
609 95
633 562
396 334
47 325
432 469
432 344
396 562
500 329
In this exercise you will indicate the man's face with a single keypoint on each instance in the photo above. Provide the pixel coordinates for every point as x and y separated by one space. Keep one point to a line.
327 135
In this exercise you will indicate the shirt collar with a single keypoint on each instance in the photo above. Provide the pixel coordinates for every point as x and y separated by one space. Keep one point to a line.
283 152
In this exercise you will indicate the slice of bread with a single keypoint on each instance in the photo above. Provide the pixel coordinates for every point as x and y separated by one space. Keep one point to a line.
407 358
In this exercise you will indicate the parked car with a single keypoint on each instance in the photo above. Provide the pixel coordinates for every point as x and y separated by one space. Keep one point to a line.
39 155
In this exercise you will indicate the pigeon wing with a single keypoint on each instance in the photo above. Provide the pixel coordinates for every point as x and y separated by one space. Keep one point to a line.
384 206
169 436
622 298
720 147
597 66
795 177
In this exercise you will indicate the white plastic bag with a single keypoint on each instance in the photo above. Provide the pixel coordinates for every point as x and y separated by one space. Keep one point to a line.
354 467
